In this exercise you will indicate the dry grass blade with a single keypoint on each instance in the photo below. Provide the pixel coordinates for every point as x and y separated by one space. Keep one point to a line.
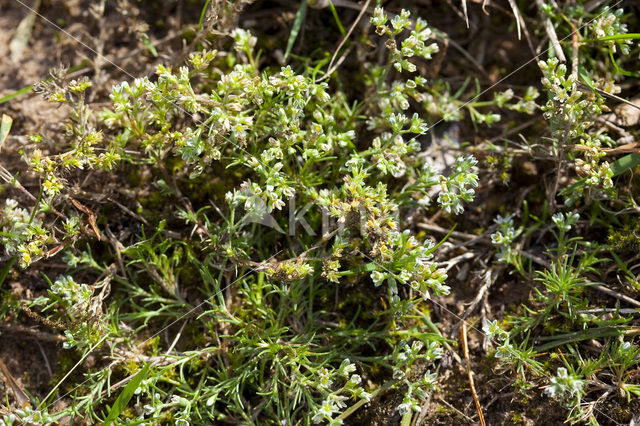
21 397
466 14
5 127
551 32
615 294
516 13
23 33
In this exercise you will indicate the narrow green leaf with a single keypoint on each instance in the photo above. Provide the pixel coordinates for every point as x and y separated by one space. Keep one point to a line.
591 333
125 395
297 24
203 14
15 94
334 12
574 186
625 163
446 237
615 37
148 45
6 269
586 79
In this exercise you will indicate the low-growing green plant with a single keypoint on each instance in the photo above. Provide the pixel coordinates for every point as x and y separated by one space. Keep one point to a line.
270 271
274 347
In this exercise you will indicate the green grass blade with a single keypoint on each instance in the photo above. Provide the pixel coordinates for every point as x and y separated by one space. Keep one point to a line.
625 163
297 25
15 94
337 19
126 394
203 14
630 36
620 70
586 79
591 333
149 46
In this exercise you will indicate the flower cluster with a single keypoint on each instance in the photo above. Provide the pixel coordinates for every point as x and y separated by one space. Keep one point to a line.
575 112
598 172
389 153
567 103
565 222
406 261
441 103
609 24
564 384
458 186
506 351
403 357
27 416
526 104
22 233
503 238
362 210
83 137
493 330
75 297
289 270
413 45
334 401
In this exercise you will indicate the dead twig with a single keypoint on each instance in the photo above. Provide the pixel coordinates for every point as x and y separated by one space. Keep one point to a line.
332 68
129 211
465 350
551 32
514 130
458 259
619 296
44 356
454 409
42 320
462 14
8 178
464 10
117 247
516 14
489 278
609 311
444 38
435 228
575 45
36 334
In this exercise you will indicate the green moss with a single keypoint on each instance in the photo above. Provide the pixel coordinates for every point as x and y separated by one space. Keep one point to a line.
627 239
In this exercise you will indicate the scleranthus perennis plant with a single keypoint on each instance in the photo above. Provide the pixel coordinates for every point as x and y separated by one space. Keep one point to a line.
281 131
276 188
